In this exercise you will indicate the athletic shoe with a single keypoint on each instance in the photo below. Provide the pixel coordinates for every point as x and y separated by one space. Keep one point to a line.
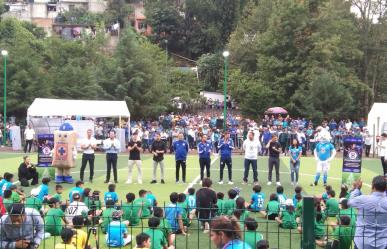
153 182
129 181
106 181
220 182
162 182
244 183
177 182
200 182
90 181
268 183
139 181
255 183
313 184
115 181
278 184
230 183
325 184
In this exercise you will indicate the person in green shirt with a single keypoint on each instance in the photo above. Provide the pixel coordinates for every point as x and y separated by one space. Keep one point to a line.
164 225
347 211
158 240
344 233
250 235
240 211
142 205
107 215
7 200
127 209
182 203
299 205
54 217
15 197
58 193
332 205
229 205
273 207
287 217
34 202
220 204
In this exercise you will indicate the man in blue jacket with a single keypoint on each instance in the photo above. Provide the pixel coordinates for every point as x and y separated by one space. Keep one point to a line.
204 150
180 147
225 147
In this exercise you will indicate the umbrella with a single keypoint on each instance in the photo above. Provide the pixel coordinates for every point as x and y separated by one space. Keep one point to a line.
276 110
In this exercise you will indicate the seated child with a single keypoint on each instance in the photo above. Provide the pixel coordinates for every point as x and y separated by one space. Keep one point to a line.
324 196
257 199
299 207
158 240
182 203
164 225
143 241
107 215
297 190
344 192
77 189
240 211
7 182
117 233
332 206
263 244
33 202
251 236
287 218
272 207
127 209
191 200
80 236
229 205
220 204
58 192
54 218
344 233
141 205
173 213
86 196
43 189
151 198
345 210
281 197
15 196
7 201
67 237
111 194
319 230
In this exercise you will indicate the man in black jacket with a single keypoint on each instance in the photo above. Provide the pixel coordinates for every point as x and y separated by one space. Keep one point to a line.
158 149
26 172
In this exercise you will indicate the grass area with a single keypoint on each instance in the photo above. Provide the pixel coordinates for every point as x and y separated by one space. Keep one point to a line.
278 238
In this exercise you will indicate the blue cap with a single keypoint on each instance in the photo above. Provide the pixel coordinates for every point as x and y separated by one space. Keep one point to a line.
66 127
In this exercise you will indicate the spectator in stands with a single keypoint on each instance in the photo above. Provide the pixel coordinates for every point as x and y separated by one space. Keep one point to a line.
371 224
21 228
226 233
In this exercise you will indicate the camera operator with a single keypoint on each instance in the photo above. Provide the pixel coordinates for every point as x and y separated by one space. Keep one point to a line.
26 172
22 228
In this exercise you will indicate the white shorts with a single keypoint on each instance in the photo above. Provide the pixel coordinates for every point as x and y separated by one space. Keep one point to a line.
323 166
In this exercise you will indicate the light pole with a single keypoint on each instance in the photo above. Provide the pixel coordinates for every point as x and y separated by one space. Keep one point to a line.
4 53
166 59
225 55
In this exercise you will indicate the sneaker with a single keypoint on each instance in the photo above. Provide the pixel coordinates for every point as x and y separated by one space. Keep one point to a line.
115 181
200 182
129 181
268 183
153 182
106 181
255 183
278 184
325 184
162 182
90 181
313 184
244 182
220 182
139 181
230 182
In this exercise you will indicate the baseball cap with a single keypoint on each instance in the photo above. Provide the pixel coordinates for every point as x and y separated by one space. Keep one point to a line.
289 202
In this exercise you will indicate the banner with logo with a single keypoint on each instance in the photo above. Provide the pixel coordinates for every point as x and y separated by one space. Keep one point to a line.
45 146
352 157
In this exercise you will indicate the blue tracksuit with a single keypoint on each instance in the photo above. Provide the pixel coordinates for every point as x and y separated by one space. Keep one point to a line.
204 150
181 149
226 148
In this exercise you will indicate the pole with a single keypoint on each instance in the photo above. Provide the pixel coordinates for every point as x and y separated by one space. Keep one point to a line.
308 213
5 100
225 94
166 59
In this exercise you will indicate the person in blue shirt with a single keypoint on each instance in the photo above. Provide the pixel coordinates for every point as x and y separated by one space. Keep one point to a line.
43 189
257 199
111 195
7 183
226 145
180 147
151 198
324 154
297 190
77 189
226 233
3 181
117 233
295 151
281 197
173 214
204 150
191 199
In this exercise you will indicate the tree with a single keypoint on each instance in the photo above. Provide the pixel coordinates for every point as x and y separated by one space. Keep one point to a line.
210 70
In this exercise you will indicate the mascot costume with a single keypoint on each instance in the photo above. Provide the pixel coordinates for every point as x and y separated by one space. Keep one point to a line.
64 153
324 154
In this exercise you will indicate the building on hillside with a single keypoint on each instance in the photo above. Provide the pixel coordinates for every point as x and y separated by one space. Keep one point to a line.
43 12
137 19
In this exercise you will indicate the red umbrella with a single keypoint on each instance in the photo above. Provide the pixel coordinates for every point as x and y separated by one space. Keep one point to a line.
276 110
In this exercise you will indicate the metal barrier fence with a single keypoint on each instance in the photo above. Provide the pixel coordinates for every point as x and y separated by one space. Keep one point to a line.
93 227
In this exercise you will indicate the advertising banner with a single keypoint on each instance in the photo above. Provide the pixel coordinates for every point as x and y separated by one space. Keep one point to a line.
45 146
352 157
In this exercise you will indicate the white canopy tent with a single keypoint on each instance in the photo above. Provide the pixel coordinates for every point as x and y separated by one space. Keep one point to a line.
377 120
85 108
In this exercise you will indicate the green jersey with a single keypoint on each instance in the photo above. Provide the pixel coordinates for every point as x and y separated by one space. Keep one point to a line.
165 227
288 220
229 206
272 207
53 221
332 207
350 212
15 197
344 234
243 217
299 208
184 214
144 206
33 202
319 229
131 214
59 197
107 215
220 204
158 240
252 237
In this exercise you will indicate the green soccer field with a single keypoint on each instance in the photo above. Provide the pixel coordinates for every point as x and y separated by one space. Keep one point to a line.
278 238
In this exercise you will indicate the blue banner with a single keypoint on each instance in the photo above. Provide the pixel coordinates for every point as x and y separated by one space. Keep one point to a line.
45 146
352 159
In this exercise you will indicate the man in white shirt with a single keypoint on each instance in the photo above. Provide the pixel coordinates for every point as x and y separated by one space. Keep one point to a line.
383 153
251 148
75 208
367 142
88 145
29 134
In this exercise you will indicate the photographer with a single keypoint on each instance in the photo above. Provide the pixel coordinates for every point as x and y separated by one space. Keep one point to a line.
21 228
26 172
